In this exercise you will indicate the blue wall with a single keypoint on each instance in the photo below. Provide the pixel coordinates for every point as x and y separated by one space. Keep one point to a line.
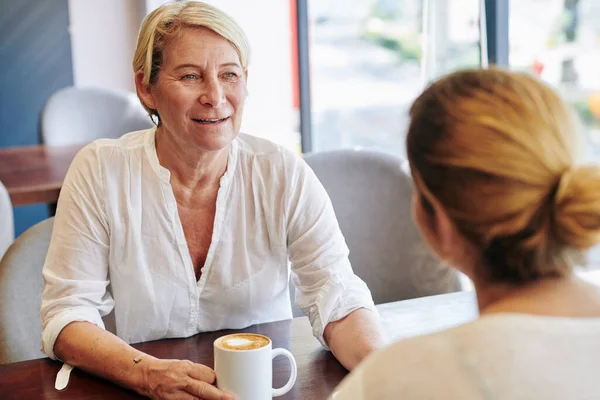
35 61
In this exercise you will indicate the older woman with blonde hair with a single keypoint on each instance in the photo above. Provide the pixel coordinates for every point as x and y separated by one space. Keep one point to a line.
499 195
187 227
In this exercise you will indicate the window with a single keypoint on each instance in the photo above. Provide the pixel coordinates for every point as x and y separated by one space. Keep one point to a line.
369 59
559 41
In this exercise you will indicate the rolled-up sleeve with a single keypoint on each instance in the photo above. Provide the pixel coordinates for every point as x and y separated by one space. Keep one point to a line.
326 287
76 267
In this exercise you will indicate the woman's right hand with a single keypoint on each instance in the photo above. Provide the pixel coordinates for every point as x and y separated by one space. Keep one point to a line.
180 380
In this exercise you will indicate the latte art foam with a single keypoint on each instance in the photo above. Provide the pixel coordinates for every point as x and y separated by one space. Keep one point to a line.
242 341
238 342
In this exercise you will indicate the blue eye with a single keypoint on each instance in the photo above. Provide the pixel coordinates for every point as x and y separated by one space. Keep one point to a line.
230 75
190 77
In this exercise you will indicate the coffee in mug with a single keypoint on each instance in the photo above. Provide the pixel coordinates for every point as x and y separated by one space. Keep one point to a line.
243 341
244 366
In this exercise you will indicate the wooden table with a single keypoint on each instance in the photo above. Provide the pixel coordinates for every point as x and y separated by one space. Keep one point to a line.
318 371
35 174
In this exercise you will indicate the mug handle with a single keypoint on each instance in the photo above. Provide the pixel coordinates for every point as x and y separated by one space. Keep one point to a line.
288 386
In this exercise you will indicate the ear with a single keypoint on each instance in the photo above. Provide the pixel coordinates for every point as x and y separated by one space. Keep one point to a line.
144 91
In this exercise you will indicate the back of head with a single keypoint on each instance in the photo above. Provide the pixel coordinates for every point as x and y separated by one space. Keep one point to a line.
167 21
497 150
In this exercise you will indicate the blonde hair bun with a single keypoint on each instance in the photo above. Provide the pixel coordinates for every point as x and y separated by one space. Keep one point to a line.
577 207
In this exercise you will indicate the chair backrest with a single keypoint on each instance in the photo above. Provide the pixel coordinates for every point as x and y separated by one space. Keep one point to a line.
371 196
7 225
80 115
21 285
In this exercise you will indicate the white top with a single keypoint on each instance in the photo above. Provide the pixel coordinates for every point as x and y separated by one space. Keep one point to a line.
499 356
118 243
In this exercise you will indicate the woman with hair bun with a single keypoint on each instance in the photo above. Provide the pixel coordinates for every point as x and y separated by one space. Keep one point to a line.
500 196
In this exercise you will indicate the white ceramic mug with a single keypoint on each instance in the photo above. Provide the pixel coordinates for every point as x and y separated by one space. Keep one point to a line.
244 366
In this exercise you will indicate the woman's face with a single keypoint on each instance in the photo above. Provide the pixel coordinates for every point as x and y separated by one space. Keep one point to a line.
200 91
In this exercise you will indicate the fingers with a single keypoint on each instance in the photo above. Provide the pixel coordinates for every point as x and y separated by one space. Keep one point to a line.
183 396
201 372
206 391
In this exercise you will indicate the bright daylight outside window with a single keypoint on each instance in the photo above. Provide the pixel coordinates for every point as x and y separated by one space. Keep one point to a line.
559 41
370 59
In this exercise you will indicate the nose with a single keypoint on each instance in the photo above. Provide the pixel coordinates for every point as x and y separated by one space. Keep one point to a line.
213 94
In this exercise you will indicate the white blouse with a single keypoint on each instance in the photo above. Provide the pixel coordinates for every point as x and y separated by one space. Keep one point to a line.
497 357
118 246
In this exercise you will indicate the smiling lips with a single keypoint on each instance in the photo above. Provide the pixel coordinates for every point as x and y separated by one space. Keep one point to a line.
210 121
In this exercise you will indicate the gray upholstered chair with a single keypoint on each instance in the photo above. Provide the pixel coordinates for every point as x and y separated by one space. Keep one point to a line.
371 195
79 115
21 284
7 226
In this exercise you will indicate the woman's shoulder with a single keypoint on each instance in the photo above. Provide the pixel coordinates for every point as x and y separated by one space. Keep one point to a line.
428 366
259 146
102 148
417 350
440 365
129 141
255 148
420 367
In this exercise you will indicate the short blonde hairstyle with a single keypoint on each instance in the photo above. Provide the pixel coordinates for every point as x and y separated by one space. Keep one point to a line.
164 23
498 151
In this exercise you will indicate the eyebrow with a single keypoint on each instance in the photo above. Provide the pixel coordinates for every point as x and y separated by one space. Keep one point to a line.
229 64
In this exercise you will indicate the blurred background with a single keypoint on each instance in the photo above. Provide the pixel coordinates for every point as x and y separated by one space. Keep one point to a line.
368 60
324 74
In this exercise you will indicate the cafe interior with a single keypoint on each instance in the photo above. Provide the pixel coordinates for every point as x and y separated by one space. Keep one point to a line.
329 80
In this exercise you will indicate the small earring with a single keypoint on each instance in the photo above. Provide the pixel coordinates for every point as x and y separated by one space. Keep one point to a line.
155 118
